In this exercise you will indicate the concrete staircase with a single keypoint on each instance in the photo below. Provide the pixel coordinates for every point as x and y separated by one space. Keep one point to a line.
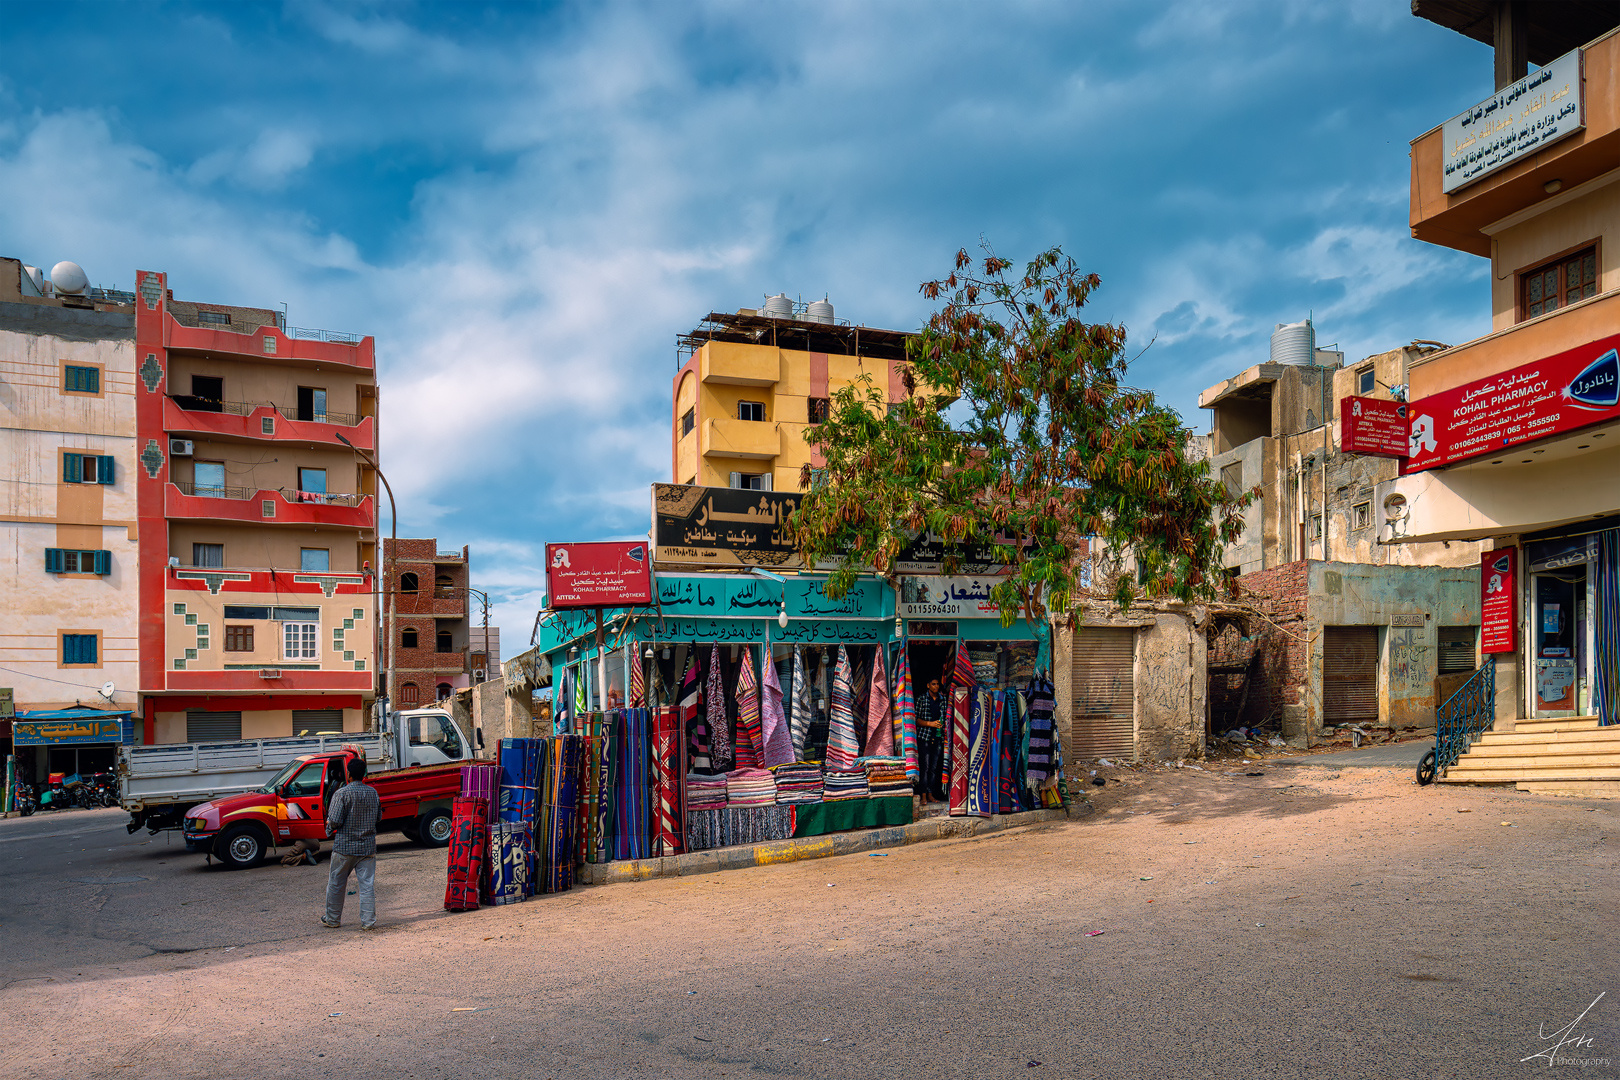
1566 756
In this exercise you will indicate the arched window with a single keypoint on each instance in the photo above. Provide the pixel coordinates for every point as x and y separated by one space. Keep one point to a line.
407 583
407 638
409 696
444 690
443 641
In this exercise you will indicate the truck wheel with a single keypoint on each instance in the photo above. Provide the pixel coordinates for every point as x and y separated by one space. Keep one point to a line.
433 828
241 847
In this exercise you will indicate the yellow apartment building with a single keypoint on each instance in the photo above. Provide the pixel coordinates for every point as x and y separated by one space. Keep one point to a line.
750 383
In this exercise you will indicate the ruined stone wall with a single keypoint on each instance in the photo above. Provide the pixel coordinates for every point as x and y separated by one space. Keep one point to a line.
1280 672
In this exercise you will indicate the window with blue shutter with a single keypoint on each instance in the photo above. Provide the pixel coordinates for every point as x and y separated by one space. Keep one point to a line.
103 562
72 561
81 380
78 648
104 469
72 468
53 560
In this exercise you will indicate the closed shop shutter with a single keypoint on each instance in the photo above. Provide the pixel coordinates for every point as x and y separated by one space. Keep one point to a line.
1104 694
213 726
1350 674
316 721
1456 650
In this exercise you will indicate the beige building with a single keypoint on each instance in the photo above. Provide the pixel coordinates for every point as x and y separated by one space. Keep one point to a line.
750 384
67 494
1516 434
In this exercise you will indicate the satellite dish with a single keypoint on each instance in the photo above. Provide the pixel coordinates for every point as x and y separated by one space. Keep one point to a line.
107 690
68 277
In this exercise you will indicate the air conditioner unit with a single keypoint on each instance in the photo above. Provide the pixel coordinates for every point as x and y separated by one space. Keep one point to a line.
180 448
479 675
269 673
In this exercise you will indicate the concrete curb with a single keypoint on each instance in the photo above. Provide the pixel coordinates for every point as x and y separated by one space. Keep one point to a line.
810 847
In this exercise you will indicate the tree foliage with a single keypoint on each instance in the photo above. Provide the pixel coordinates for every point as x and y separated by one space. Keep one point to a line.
1016 428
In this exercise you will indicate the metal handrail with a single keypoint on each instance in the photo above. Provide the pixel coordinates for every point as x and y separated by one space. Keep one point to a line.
1465 716
194 403
335 336
342 419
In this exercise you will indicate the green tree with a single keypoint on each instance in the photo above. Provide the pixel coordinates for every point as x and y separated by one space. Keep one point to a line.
1016 429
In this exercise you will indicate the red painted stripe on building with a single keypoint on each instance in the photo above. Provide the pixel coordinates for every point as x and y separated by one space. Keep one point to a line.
255 702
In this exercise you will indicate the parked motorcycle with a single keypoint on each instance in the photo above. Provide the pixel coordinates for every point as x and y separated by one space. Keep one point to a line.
56 795
104 789
23 799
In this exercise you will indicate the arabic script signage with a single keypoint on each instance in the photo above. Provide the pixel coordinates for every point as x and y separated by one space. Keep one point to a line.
1375 426
1516 121
598 575
1570 390
713 526
947 597
1497 587
66 732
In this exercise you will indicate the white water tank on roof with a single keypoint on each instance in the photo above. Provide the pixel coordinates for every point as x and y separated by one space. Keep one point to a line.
819 311
778 307
68 277
1294 343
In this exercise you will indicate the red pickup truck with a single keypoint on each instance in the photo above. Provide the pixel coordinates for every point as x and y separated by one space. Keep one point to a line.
241 829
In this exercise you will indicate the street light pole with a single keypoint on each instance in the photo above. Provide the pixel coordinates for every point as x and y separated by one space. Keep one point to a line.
388 571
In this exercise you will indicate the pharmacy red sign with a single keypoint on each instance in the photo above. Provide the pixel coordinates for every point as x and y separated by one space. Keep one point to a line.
1573 389
1497 587
600 574
1375 426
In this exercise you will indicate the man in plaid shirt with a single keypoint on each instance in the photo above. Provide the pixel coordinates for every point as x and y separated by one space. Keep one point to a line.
352 820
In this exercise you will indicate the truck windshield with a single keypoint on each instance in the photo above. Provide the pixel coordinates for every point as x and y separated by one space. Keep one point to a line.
281 777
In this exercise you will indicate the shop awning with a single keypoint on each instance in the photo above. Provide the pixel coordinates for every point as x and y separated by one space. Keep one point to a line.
72 727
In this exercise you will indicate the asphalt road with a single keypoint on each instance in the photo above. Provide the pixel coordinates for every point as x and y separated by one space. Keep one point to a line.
77 890
1294 923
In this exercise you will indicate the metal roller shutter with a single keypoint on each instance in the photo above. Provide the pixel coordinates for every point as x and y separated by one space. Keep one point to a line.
1350 674
316 721
204 726
1104 694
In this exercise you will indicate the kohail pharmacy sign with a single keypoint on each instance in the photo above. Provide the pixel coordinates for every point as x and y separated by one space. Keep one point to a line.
1573 389
1497 587
598 574
1375 426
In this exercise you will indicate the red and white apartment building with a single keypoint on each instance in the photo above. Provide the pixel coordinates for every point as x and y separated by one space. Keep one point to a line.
257 524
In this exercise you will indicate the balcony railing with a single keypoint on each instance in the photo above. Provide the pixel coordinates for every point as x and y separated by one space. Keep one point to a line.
209 492
193 403
188 487
337 336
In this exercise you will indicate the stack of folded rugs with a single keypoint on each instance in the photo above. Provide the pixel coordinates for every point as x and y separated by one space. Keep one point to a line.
750 787
799 782
704 792
838 786
886 776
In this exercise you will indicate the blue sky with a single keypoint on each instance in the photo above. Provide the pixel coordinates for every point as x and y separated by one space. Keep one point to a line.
525 203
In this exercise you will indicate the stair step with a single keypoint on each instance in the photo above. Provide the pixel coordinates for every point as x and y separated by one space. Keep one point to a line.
1557 723
1468 762
1585 737
1507 776
1591 789
1545 748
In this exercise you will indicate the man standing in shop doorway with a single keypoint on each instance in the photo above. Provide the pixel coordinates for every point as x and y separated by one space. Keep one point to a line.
352 820
931 742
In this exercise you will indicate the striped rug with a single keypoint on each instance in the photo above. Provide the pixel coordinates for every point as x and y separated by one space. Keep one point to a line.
842 747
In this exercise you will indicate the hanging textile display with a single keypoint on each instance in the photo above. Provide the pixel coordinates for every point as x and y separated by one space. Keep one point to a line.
581 700
799 719
1010 792
1606 629
589 827
962 668
879 726
715 706
631 815
511 863
957 785
478 781
469 834
692 721
606 774
562 701
980 764
860 685
750 737
557 850
1040 731
519 763
669 826
776 738
1052 793
842 747
638 683
905 714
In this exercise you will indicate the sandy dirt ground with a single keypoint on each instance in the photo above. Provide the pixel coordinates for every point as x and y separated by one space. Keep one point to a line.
1303 922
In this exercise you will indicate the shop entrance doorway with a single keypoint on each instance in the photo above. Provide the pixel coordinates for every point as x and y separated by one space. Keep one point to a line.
1104 693
1558 642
